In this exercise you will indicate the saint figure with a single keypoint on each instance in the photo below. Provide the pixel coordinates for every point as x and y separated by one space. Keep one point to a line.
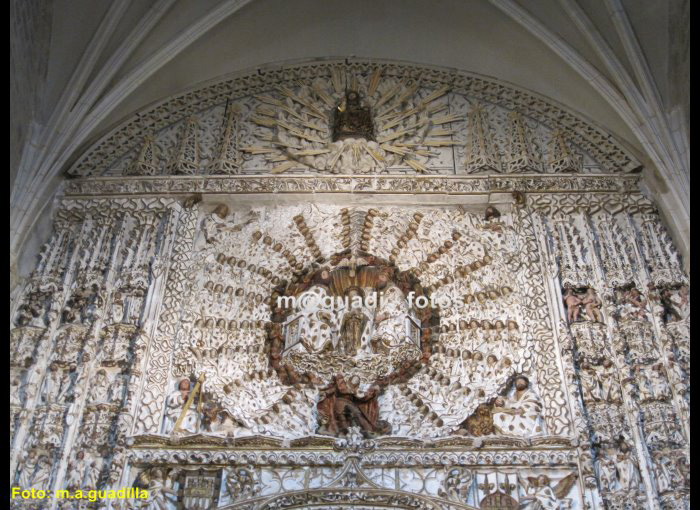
175 405
519 414
352 120
353 324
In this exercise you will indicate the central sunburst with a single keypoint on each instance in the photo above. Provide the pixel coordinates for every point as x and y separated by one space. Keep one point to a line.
299 125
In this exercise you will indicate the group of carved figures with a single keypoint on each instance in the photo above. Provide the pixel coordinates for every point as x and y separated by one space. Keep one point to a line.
342 405
235 321
627 376
75 377
517 412
584 304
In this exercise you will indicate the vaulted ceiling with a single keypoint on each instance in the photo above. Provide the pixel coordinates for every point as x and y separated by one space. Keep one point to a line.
79 67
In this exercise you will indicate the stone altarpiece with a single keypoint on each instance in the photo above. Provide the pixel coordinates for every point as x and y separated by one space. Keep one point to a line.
550 369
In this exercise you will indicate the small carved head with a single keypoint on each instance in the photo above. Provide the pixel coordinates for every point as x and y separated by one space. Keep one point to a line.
521 382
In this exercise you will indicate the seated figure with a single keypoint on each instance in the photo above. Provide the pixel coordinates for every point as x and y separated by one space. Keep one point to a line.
519 414
343 406
175 405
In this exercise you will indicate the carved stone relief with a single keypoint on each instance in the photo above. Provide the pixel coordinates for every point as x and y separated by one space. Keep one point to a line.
513 335
360 117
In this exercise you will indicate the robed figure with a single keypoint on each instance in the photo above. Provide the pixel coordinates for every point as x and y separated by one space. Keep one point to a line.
353 324
520 414
352 120
342 406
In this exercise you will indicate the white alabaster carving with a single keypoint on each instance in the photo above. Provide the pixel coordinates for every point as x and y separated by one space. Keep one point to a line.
283 120
181 290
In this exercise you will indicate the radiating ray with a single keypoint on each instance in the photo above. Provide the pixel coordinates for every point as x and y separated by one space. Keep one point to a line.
324 96
308 236
283 167
337 80
374 81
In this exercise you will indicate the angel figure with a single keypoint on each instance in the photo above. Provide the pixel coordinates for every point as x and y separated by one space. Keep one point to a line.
456 484
539 495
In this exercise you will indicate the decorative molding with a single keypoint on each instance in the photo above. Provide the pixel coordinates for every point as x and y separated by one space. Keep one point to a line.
452 185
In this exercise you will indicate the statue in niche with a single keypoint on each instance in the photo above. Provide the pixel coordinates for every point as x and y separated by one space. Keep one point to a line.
682 300
633 305
669 312
82 305
675 303
590 384
175 405
587 301
662 473
117 311
353 324
675 368
607 473
100 387
33 309
55 385
539 495
592 303
643 384
27 468
609 383
669 473
16 388
83 472
626 466
573 305
133 304
659 382
342 406
75 471
352 120
42 475
519 414
36 471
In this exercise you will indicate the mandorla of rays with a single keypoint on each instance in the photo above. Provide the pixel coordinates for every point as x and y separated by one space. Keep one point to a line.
411 124
237 375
